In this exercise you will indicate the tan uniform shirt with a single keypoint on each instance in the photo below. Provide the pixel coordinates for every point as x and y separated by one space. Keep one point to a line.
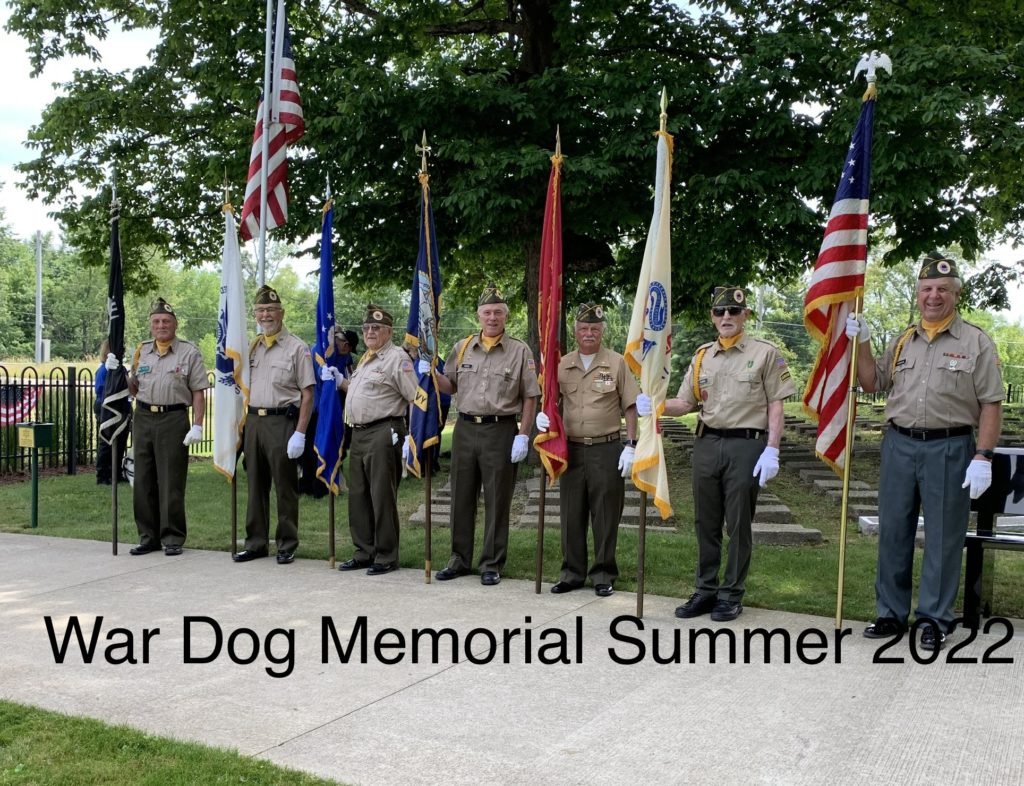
170 378
495 382
381 386
736 384
943 383
594 400
279 373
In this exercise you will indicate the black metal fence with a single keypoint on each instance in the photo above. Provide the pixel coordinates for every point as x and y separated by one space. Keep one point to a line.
66 397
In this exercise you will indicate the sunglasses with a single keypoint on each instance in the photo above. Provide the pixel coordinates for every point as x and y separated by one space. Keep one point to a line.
733 311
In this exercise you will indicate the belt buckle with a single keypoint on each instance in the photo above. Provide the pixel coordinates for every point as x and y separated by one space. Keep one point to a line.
477 418
261 412
588 440
155 408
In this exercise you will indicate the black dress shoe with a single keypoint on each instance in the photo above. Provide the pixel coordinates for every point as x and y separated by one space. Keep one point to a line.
603 590
250 554
450 573
884 628
726 610
490 577
931 637
285 558
379 568
354 564
143 549
565 586
697 604
172 551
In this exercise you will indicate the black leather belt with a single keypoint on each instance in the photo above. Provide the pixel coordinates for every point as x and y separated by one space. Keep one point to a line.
730 433
486 418
926 434
262 412
160 407
373 423
595 440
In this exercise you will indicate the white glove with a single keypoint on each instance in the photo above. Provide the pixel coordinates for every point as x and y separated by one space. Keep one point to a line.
296 444
423 367
644 405
195 434
626 461
767 467
857 327
405 452
519 448
330 373
978 477
394 437
543 422
111 362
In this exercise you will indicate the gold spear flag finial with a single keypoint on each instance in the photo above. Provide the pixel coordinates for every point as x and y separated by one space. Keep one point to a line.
558 141
423 150
227 192
664 109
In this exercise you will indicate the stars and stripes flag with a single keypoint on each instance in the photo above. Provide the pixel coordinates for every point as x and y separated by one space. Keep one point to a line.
231 385
427 409
836 284
330 421
649 342
551 444
116 409
286 127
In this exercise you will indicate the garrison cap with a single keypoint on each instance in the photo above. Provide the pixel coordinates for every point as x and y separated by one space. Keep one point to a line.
267 296
375 315
351 337
491 294
937 265
161 306
589 312
729 296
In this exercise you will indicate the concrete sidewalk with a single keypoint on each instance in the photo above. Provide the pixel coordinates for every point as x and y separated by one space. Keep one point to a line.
588 721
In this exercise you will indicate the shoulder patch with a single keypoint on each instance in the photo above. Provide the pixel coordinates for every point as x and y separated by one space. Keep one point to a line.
531 365
407 365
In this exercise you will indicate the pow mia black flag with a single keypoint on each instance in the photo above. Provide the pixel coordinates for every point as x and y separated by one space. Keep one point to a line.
116 410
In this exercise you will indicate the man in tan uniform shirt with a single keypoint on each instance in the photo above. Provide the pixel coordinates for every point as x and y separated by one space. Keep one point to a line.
167 377
377 397
597 390
280 402
944 382
494 380
738 384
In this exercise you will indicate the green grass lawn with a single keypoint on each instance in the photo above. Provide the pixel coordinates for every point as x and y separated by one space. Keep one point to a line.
48 749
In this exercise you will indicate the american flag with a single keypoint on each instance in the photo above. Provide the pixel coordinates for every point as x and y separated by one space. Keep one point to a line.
286 127
837 282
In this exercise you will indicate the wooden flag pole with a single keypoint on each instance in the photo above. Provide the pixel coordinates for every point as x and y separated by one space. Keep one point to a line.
331 556
539 563
115 474
428 474
851 414
234 510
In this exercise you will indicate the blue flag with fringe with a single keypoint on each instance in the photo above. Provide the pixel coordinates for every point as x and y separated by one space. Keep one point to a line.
428 409
330 424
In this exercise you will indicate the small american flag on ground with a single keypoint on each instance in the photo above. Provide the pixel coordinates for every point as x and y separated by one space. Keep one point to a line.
837 282
286 127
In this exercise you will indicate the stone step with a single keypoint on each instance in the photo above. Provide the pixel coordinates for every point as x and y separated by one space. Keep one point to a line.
784 534
861 496
805 463
834 483
854 512
773 514
820 473
630 514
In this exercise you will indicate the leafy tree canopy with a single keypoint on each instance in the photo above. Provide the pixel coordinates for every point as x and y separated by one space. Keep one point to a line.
761 107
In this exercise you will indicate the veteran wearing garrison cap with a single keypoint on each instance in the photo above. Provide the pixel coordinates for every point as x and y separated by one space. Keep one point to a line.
494 381
597 391
945 412
167 377
280 402
378 395
737 383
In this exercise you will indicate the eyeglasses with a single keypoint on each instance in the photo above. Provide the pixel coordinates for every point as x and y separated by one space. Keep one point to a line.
733 311
261 311
372 328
